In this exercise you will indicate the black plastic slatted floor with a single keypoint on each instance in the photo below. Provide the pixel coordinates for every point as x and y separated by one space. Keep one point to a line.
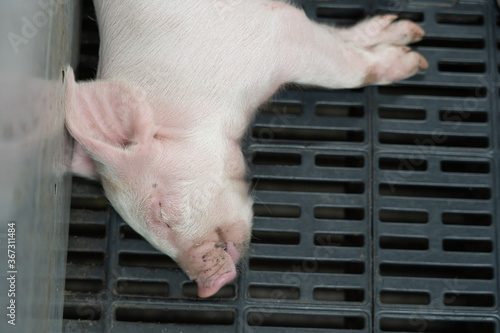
375 209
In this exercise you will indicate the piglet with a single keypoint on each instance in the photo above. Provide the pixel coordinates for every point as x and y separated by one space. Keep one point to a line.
178 84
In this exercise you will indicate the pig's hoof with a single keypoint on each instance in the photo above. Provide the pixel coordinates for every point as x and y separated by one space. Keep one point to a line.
383 30
401 33
375 26
393 63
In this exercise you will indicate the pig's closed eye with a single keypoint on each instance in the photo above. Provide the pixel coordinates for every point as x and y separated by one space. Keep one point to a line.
158 136
127 144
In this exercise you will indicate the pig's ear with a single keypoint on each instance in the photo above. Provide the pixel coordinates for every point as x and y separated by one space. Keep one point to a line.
107 118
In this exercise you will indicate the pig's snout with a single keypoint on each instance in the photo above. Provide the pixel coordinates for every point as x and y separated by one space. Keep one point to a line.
212 265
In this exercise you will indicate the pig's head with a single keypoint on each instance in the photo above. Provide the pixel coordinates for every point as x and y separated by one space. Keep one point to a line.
184 193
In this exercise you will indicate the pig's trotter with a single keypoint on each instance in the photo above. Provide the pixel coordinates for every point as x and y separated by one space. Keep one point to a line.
382 30
385 39
392 63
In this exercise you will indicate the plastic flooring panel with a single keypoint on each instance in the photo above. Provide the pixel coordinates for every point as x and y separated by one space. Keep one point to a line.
376 209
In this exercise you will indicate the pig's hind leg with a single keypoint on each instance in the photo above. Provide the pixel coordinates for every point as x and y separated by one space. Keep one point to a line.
335 58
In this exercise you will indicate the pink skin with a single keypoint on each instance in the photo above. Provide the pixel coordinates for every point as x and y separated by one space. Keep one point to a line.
207 258
178 85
